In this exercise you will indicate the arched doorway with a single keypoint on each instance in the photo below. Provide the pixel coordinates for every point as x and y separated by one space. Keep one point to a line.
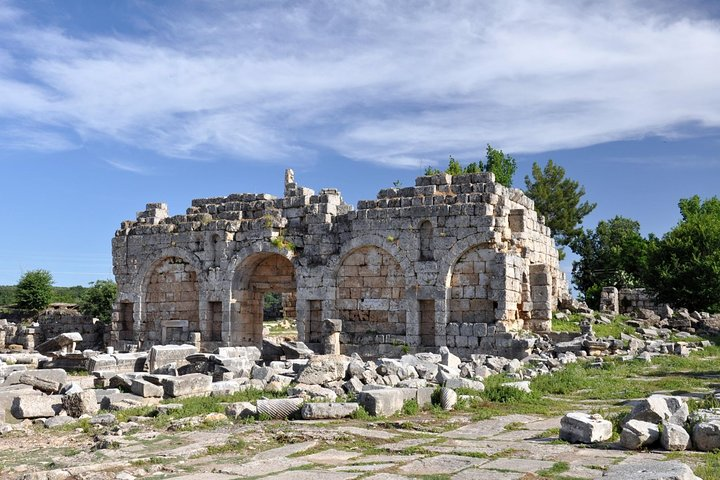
171 303
260 275
370 300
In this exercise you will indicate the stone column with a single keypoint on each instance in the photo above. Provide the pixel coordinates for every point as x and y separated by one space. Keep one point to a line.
610 300
331 336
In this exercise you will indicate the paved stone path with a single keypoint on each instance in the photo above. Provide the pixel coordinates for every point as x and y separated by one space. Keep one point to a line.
503 448
512 447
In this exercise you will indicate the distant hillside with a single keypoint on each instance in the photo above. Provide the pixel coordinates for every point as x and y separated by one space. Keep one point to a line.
61 294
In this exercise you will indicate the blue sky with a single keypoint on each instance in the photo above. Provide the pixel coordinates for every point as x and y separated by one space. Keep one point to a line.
108 105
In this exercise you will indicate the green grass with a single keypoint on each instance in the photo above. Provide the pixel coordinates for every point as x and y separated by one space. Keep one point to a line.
195 406
557 468
616 327
233 445
410 407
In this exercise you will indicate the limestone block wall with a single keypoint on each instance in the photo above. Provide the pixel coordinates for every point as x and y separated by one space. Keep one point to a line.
370 300
459 261
53 324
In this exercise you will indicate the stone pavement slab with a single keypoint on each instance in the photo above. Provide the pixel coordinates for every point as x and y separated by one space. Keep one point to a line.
441 464
409 443
368 467
285 450
386 476
364 432
206 476
517 465
314 475
490 427
475 473
258 468
331 457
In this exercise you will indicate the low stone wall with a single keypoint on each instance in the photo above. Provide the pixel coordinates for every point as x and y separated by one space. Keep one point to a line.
53 324
626 300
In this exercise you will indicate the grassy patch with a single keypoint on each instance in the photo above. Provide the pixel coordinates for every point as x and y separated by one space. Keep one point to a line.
710 469
557 468
514 426
410 407
233 445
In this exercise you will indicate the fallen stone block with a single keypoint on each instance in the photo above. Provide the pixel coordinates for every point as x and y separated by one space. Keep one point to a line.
56 375
251 353
103 419
241 410
322 369
639 469
637 434
80 403
163 354
124 401
47 386
382 402
36 406
706 435
659 408
455 383
295 350
192 384
312 392
674 437
279 408
449 359
59 421
144 388
578 427
226 387
65 342
320 411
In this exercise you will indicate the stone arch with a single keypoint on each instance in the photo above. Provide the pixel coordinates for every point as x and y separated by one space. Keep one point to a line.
140 280
458 249
171 302
471 295
254 275
377 241
371 300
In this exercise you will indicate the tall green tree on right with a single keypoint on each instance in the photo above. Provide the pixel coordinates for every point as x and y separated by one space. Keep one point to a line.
684 265
558 199
614 254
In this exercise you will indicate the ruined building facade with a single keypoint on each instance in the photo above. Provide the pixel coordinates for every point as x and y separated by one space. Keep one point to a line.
460 261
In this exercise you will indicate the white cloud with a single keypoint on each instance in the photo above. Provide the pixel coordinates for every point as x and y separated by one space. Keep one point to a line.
390 82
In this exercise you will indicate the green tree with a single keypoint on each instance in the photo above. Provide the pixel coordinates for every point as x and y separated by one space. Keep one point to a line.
614 254
454 167
502 165
429 171
97 301
558 199
34 290
684 265
474 167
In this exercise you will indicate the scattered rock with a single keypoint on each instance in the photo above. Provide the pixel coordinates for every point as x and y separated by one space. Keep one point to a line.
578 427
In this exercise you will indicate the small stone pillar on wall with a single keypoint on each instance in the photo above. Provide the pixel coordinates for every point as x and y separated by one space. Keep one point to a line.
541 295
331 329
610 300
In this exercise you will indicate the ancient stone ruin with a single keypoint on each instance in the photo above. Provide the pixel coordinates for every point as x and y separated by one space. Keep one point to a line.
458 261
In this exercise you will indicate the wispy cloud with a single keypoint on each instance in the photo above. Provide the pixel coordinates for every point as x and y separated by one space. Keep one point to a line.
399 83
128 167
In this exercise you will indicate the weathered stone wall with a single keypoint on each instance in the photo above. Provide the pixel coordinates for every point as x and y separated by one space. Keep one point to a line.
631 298
459 261
370 300
53 324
